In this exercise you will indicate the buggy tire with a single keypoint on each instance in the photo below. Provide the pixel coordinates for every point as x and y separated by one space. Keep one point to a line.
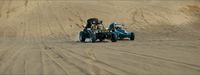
82 36
93 37
132 36
114 37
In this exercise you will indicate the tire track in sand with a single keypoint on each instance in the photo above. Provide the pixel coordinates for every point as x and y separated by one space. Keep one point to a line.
183 64
100 64
7 66
45 50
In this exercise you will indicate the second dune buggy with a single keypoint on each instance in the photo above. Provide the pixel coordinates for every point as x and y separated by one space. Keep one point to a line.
120 31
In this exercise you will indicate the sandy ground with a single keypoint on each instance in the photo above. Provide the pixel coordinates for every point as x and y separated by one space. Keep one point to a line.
39 37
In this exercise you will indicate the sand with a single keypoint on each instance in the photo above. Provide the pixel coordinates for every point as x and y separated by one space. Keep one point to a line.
40 37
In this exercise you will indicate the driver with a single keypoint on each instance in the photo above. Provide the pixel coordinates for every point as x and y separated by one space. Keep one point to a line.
90 22
118 26
94 24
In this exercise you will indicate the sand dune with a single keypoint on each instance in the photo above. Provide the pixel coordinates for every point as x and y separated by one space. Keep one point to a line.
40 37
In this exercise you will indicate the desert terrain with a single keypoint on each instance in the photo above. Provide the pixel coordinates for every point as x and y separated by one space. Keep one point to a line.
40 37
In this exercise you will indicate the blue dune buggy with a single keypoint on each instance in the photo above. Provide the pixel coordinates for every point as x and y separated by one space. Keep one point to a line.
94 30
120 31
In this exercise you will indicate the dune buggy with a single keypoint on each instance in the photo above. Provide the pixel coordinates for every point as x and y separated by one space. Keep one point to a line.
95 30
120 31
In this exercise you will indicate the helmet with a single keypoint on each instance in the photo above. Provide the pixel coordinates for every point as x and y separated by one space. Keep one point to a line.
100 21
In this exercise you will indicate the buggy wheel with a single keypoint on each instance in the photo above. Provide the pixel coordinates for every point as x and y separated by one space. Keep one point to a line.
93 37
114 37
132 36
82 36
